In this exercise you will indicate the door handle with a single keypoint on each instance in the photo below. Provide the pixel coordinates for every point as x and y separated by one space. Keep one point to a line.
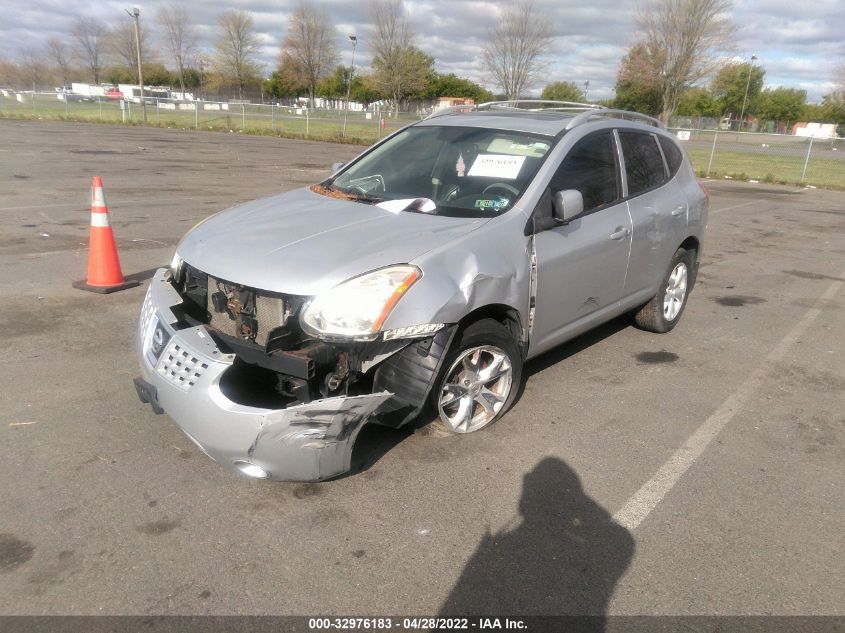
620 233
679 210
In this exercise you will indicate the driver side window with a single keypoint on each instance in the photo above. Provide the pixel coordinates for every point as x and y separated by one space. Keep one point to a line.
590 167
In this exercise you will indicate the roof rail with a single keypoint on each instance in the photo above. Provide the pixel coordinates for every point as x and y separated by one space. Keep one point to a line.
582 112
538 105
619 114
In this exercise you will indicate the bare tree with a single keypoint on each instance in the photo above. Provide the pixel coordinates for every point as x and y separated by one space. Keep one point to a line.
515 46
236 48
90 34
311 43
32 68
179 36
688 36
121 42
58 53
400 68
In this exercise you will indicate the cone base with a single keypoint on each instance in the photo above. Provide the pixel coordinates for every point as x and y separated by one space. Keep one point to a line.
104 290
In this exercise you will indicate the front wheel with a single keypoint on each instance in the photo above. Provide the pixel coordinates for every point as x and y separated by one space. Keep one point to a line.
663 312
479 379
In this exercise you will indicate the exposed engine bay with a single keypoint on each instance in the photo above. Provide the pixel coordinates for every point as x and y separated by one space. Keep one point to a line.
278 364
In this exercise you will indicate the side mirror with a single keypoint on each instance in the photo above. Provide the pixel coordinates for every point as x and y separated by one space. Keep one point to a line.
336 167
567 204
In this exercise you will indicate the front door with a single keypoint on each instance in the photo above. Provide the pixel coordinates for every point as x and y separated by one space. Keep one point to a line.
581 265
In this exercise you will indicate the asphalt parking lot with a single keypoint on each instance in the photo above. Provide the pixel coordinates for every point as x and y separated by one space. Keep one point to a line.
718 448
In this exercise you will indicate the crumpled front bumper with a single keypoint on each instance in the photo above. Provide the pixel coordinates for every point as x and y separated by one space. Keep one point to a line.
309 442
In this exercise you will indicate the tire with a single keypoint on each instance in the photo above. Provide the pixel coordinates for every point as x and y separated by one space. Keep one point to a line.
477 403
663 312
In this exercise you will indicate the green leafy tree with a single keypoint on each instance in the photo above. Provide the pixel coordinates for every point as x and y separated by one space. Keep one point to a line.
638 86
453 86
728 88
782 104
563 91
401 71
833 109
698 102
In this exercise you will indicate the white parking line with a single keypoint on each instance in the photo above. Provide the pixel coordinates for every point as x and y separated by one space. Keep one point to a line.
735 206
641 504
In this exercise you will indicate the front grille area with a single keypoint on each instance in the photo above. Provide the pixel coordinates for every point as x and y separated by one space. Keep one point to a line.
248 315
180 367
267 312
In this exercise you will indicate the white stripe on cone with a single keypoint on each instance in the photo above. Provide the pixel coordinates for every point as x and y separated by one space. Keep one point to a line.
100 220
97 198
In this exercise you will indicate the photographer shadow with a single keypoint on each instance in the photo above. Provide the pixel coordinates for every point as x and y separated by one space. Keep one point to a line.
565 557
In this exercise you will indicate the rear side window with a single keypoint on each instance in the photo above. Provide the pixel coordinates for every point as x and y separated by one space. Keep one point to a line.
590 167
643 161
674 155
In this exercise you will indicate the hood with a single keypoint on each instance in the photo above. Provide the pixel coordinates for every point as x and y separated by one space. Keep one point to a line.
303 243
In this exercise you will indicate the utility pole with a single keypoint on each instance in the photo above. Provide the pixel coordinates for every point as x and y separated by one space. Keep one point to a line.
354 40
747 84
135 14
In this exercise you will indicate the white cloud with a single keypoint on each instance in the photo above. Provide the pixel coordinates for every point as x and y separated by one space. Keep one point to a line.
799 44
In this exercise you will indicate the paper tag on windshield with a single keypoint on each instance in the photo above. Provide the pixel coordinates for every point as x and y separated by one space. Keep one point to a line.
497 166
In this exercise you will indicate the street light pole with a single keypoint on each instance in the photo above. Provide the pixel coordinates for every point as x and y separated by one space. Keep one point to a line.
135 14
354 40
586 87
747 84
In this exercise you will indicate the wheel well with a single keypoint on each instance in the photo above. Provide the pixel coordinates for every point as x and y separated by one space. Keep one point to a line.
504 314
690 244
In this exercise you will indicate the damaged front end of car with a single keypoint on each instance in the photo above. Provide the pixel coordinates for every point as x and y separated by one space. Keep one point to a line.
278 386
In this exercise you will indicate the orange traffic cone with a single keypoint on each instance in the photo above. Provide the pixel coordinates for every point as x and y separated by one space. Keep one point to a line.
104 273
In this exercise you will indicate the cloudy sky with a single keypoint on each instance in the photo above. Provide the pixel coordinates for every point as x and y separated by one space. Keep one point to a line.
800 44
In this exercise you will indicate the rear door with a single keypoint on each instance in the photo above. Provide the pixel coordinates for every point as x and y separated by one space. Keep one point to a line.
581 265
658 210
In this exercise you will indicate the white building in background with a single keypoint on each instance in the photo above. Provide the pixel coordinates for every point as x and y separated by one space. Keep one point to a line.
816 130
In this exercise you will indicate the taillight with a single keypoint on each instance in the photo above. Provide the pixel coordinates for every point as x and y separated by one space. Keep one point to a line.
705 191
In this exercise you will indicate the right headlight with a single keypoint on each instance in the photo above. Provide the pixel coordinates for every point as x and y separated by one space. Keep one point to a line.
358 307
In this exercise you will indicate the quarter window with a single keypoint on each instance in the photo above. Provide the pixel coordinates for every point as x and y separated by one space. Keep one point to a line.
590 167
673 155
643 161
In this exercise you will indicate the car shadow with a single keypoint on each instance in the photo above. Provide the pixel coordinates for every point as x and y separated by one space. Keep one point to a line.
374 442
570 348
564 558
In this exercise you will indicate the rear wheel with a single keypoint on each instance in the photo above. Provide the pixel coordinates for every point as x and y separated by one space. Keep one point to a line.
663 312
479 379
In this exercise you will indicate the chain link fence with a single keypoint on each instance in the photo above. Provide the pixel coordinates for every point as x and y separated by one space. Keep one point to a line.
714 152
761 157
294 122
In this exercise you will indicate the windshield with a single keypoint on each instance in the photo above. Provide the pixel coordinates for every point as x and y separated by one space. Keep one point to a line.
455 171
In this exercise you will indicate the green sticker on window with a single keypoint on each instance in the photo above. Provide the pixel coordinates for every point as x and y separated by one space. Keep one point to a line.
490 204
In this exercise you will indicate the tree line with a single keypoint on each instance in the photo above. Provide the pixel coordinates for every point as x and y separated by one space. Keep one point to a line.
677 65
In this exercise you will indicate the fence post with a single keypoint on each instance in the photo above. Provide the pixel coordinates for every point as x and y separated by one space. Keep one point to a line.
66 114
273 116
243 117
307 123
196 115
158 112
712 151
807 160
34 109
100 107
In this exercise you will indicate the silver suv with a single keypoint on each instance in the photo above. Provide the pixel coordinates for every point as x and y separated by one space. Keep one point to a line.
413 284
